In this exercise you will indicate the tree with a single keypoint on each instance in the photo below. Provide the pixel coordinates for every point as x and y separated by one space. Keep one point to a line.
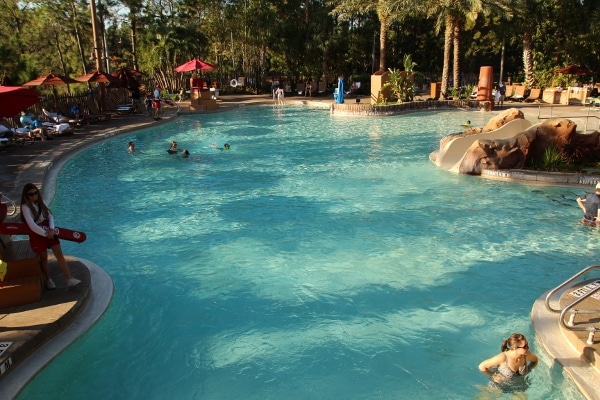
388 11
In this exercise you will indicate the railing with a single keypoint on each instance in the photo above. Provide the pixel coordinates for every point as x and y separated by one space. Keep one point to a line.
587 117
586 291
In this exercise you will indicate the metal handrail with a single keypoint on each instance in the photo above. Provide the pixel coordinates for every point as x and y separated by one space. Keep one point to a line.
573 304
587 117
567 282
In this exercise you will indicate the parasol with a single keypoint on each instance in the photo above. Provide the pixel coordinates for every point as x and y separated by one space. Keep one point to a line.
574 70
50 79
194 65
127 77
98 77
14 99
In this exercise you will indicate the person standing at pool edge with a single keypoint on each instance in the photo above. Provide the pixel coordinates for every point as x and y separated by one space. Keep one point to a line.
589 203
513 361
39 219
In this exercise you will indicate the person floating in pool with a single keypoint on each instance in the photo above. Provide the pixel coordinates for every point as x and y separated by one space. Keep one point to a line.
468 123
508 368
131 147
590 204
226 146
173 149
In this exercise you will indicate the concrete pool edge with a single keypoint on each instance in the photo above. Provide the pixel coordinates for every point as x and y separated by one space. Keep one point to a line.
559 348
97 303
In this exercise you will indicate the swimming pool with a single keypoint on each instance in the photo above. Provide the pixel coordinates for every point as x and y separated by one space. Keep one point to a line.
320 258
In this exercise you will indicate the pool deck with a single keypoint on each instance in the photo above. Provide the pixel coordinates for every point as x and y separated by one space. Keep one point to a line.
38 332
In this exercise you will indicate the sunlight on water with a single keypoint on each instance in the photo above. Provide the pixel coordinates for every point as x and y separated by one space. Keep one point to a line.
320 258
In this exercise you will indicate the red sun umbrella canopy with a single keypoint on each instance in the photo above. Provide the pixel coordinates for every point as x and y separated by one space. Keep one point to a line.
127 77
194 65
14 99
97 77
574 70
50 79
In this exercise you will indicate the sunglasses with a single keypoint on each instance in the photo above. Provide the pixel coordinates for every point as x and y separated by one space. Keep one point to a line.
31 194
523 347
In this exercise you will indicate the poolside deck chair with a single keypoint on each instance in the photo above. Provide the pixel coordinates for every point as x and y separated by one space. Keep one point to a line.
322 88
300 88
519 93
19 135
534 95
509 92
92 110
59 119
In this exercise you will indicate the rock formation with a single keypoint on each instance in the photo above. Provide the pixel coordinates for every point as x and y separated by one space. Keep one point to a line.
520 149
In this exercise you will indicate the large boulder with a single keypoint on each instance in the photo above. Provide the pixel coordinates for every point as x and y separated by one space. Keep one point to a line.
516 152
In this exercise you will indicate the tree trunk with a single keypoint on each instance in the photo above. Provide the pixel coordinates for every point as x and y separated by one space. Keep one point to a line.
134 61
447 46
78 38
527 59
456 40
502 59
383 32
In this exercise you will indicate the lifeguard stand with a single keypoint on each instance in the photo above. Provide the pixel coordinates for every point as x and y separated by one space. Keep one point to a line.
201 98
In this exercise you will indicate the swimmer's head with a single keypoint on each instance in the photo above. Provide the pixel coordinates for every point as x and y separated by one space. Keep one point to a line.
227 146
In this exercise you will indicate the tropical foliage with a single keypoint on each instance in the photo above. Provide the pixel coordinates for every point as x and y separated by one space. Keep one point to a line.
296 40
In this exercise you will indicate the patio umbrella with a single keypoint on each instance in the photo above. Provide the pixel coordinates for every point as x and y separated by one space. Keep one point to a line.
574 70
97 77
194 65
14 99
127 77
50 79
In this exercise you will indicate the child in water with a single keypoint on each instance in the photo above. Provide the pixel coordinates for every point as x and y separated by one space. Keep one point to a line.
173 148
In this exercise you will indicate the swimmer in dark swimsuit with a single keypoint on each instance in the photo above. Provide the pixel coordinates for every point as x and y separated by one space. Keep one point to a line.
507 369
173 149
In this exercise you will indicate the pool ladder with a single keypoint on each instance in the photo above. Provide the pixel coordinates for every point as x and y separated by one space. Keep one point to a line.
588 290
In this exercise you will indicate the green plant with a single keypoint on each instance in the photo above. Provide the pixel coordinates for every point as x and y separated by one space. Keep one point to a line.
401 83
553 160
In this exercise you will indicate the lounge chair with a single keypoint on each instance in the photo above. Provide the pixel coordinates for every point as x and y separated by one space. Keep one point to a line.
93 111
322 87
509 92
519 93
18 135
59 119
300 89
534 95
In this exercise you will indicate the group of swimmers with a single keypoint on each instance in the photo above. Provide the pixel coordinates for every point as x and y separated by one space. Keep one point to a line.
174 150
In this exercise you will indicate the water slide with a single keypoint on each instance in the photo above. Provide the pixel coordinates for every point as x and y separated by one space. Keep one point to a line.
450 156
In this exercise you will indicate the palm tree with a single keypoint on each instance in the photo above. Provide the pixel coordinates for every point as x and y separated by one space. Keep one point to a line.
453 14
388 12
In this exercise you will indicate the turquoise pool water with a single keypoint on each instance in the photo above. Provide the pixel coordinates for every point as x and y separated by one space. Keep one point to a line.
321 258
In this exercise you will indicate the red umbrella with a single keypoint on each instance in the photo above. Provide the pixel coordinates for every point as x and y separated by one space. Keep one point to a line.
98 77
574 70
127 77
14 99
50 79
194 65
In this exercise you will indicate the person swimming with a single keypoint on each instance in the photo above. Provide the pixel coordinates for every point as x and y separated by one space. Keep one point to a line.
468 123
226 146
185 153
131 147
173 149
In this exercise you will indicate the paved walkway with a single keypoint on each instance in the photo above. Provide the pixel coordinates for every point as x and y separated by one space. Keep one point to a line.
40 331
